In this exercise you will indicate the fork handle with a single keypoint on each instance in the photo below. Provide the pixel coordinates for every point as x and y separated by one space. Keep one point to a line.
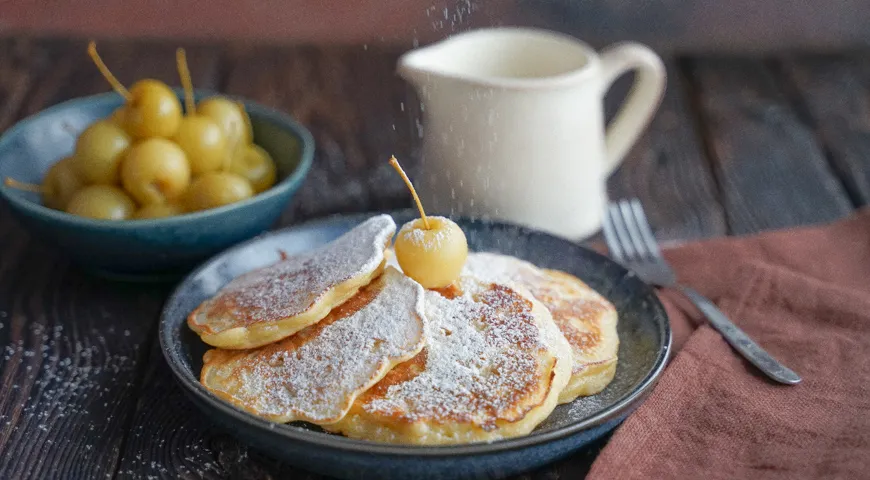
740 341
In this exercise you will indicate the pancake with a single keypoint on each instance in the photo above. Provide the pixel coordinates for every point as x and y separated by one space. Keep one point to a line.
585 318
316 374
274 302
493 367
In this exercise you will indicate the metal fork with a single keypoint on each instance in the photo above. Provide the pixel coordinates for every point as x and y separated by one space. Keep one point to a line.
631 243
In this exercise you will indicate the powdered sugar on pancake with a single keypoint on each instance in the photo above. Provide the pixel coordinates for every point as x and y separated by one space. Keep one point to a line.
316 374
496 267
482 362
579 311
291 286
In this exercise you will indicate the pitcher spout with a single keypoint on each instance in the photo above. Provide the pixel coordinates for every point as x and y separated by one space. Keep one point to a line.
500 57
419 66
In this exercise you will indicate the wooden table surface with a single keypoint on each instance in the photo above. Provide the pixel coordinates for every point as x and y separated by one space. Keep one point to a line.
740 145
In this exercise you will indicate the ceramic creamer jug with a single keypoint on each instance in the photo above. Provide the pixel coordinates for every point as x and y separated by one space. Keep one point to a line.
514 125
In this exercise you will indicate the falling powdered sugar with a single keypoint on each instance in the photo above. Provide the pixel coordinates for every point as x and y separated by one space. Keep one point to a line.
316 374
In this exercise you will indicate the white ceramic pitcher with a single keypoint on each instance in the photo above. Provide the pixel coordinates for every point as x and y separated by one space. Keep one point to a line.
514 124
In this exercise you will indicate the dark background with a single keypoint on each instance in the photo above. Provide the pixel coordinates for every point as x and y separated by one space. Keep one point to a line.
667 25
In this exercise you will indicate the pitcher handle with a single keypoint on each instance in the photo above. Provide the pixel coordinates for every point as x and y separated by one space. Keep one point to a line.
640 104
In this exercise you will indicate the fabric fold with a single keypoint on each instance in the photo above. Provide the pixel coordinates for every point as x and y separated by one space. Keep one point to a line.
804 295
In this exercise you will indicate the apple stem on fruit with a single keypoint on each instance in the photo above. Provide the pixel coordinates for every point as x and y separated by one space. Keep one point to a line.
184 73
395 164
27 187
104 70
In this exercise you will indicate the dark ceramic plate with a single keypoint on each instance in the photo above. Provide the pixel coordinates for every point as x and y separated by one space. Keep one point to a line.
644 335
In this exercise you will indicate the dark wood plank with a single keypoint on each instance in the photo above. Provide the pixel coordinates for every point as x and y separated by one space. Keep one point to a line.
668 170
833 91
170 438
74 345
74 75
16 67
575 466
769 166
70 363
359 111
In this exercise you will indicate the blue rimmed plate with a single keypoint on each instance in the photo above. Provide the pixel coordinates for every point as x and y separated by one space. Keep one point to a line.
644 335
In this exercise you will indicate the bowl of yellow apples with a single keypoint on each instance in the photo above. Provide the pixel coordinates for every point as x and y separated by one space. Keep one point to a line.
146 182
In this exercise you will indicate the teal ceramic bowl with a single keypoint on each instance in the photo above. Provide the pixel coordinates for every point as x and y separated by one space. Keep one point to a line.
144 249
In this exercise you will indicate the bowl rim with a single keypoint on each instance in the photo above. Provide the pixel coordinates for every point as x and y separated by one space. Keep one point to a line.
289 183
189 382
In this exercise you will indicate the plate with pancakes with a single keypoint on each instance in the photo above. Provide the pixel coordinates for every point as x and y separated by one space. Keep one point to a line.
312 344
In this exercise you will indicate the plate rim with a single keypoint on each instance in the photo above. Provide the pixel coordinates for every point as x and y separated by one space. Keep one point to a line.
191 384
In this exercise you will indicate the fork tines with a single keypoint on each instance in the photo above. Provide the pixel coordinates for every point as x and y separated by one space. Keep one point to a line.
627 232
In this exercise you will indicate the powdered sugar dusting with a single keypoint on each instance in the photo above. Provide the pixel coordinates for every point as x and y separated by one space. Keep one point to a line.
578 310
482 361
316 374
495 267
428 240
292 286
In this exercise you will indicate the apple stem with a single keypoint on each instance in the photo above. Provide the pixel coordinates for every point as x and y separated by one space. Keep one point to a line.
184 73
27 187
104 70
398 168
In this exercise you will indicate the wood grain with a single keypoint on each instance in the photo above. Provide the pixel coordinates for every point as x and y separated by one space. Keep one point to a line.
70 363
16 73
170 438
833 91
771 170
668 170
74 75
358 111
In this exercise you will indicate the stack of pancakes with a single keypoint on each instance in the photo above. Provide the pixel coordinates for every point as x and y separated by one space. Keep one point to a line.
339 337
